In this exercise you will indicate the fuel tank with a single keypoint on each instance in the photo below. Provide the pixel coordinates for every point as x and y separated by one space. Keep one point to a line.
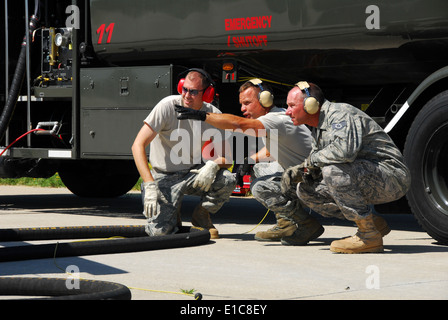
145 29
299 35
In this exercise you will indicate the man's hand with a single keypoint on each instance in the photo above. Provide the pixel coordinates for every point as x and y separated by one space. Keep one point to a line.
311 173
188 113
206 175
150 204
304 172
292 175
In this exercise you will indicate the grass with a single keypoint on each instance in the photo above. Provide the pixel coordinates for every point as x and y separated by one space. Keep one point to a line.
52 182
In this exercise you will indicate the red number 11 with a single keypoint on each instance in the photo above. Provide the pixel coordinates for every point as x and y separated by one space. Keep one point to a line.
109 30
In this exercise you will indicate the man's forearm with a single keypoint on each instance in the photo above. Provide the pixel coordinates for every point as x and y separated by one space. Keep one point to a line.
233 122
141 162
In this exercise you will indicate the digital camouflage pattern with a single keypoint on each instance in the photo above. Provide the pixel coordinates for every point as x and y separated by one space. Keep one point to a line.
360 164
173 186
266 188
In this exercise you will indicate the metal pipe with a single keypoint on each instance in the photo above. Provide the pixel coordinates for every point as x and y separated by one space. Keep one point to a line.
19 75
6 64
28 76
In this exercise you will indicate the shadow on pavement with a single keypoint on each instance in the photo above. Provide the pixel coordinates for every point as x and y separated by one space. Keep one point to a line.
238 210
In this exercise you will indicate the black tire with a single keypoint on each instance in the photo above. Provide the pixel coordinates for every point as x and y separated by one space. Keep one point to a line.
57 289
426 154
99 178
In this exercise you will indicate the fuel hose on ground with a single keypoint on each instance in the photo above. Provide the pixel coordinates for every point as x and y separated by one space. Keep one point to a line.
136 240
55 288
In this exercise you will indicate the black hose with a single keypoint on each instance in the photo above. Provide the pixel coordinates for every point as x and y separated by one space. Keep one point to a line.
57 289
76 232
193 237
17 80
88 290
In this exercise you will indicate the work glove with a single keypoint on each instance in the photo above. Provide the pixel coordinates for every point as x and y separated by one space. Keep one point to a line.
291 176
304 172
188 113
310 173
149 195
205 176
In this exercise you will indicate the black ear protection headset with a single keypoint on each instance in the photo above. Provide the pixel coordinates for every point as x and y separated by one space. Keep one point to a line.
310 103
265 97
209 92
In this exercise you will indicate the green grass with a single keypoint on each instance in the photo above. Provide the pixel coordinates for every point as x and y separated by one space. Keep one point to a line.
52 182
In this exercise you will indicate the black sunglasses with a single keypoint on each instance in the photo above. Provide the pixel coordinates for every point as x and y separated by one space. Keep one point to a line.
193 92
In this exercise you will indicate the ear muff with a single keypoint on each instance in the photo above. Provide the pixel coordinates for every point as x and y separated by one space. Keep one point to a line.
209 93
265 97
310 103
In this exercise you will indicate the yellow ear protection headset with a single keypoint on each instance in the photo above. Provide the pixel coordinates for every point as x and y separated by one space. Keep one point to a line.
310 103
265 97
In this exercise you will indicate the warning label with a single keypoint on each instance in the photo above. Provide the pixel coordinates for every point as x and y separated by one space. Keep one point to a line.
248 23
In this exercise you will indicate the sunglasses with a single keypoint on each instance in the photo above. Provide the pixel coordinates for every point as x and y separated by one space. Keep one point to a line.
193 92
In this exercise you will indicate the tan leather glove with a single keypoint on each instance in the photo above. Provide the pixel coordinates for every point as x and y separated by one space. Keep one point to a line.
206 176
150 204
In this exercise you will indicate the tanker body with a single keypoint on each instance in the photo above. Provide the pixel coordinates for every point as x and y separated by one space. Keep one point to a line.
94 70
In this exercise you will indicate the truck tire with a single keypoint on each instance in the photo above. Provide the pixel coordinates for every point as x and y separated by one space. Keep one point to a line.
426 154
99 178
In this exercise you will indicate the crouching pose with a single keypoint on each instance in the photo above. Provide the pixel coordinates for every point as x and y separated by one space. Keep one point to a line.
353 165
176 170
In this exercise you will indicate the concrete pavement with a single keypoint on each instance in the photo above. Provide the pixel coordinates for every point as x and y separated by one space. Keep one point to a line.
234 267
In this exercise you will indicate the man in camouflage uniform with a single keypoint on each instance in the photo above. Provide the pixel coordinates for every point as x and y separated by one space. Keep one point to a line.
353 164
178 171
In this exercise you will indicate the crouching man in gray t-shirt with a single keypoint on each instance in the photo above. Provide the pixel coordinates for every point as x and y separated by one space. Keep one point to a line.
177 163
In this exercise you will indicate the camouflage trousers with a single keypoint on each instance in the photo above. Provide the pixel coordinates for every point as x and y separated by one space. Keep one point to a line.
266 189
348 190
173 186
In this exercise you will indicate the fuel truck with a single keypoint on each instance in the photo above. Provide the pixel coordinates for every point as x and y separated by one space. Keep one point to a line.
79 76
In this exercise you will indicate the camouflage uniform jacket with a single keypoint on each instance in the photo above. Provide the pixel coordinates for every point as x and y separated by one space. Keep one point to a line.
345 133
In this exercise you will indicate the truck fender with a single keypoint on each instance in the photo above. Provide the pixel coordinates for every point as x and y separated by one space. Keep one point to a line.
429 81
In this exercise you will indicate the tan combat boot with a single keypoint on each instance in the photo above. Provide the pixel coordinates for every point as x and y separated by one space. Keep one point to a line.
282 229
381 225
201 218
367 239
307 230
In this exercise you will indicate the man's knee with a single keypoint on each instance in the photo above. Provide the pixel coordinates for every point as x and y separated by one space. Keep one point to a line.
336 176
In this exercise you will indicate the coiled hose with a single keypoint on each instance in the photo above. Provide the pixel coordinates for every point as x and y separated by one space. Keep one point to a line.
91 289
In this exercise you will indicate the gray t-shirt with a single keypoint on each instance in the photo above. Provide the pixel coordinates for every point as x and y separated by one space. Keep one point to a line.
292 143
178 143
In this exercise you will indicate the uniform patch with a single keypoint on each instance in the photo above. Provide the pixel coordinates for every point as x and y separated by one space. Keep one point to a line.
339 126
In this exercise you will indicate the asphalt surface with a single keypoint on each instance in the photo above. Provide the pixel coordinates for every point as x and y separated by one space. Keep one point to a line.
235 267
